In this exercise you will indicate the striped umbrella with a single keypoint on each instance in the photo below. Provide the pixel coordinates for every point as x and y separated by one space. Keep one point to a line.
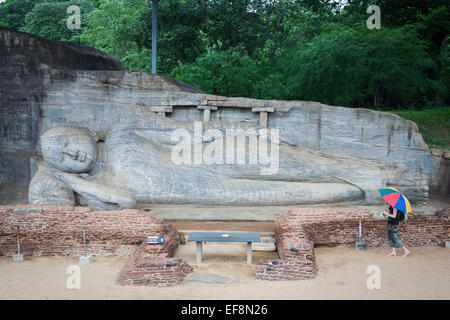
396 199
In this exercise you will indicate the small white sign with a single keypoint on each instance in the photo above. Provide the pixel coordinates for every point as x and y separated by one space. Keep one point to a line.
155 239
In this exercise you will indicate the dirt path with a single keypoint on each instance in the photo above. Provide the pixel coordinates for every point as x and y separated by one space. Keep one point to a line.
342 275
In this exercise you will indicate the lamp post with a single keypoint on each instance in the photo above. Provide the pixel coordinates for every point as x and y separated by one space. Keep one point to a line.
84 258
154 33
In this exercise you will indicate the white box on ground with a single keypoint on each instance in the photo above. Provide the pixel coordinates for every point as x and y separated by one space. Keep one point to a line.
447 244
85 259
18 257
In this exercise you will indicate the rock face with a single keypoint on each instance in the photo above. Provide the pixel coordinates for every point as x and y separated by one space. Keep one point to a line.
323 153
26 63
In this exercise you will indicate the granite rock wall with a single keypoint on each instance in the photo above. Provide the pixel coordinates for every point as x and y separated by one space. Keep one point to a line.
26 62
46 83
95 99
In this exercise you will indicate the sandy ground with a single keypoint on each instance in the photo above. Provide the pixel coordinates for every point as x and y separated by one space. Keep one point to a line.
425 274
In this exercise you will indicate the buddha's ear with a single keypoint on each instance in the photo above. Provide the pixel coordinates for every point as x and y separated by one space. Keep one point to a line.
92 133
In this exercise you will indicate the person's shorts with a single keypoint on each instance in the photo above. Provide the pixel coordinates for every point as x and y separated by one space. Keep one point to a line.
394 241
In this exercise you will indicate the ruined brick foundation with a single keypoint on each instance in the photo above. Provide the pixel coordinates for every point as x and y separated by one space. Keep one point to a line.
297 231
145 267
58 231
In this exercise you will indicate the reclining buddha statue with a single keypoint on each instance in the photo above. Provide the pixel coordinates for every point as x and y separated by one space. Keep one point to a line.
149 158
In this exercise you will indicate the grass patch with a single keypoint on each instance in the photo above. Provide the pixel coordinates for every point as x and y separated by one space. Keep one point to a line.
434 125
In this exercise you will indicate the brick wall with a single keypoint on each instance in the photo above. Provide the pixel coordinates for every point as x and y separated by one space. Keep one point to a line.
299 230
145 267
58 231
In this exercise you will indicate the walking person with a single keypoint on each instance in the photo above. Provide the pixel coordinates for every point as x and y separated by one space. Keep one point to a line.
394 216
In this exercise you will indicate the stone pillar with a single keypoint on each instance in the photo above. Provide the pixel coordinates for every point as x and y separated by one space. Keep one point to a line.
263 115
206 115
199 252
206 112
263 119
249 251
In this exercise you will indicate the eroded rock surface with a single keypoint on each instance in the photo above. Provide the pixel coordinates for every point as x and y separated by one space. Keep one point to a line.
326 153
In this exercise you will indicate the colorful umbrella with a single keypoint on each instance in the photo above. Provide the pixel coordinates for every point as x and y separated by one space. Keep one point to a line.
396 199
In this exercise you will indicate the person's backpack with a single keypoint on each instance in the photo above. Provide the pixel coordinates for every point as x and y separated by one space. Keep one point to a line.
400 215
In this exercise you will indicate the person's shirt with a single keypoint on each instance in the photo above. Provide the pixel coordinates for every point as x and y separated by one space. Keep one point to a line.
395 220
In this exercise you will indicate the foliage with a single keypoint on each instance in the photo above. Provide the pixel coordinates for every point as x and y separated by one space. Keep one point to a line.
115 28
278 49
354 67
230 73
180 37
13 12
434 125
49 20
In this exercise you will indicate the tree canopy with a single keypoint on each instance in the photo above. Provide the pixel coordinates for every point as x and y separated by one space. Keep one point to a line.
273 49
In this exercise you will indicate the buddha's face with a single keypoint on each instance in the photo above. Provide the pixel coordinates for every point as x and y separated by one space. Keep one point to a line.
69 149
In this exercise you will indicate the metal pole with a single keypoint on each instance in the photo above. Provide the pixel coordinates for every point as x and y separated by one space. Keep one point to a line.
154 33
360 231
199 252
18 242
84 241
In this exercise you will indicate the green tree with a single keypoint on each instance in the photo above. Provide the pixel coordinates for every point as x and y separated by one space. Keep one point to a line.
325 69
123 28
231 72
348 66
396 62
231 23
13 12
180 36
445 71
49 20
431 18
436 30
116 28
302 49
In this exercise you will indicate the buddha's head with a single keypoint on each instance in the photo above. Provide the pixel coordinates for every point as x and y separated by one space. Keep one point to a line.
69 149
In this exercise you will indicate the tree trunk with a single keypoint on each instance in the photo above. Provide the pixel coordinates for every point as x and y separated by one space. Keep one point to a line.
437 93
377 94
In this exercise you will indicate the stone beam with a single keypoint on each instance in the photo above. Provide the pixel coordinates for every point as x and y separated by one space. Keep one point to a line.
241 103
161 110
211 97
265 109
